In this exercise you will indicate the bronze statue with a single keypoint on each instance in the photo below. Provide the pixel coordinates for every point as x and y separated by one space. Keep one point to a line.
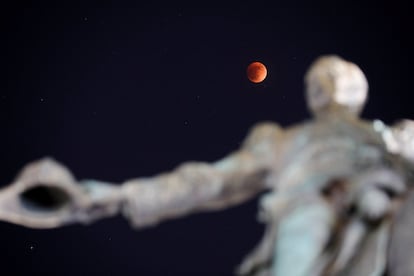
338 198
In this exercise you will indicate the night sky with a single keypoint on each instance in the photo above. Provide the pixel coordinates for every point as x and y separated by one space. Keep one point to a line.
114 92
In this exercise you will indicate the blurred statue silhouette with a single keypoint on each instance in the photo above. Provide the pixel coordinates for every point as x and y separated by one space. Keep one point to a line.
337 198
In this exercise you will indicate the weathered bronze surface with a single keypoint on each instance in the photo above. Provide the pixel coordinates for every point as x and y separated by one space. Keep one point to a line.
338 198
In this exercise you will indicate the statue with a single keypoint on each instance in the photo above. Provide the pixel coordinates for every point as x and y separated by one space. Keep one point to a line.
337 188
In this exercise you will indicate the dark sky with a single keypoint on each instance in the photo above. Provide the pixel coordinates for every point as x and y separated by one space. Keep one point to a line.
115 92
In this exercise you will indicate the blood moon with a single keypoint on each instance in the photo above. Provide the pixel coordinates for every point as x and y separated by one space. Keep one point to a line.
256 72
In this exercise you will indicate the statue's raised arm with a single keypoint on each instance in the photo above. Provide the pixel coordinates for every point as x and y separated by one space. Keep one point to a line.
45 194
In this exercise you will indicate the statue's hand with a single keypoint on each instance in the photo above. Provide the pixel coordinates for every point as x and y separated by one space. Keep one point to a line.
46 195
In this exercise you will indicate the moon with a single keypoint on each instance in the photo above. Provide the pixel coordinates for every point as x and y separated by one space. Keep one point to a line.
256 72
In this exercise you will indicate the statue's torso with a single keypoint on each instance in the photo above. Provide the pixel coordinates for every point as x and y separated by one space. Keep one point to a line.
323 150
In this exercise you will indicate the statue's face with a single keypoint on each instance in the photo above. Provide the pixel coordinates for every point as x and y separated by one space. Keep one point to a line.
333 84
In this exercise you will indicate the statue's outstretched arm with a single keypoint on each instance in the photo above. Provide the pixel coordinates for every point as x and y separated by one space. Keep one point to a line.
46 195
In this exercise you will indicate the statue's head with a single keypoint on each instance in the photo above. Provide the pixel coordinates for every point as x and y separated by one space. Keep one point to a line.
334 85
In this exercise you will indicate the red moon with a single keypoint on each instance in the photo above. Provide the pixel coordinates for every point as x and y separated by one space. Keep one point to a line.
256 72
